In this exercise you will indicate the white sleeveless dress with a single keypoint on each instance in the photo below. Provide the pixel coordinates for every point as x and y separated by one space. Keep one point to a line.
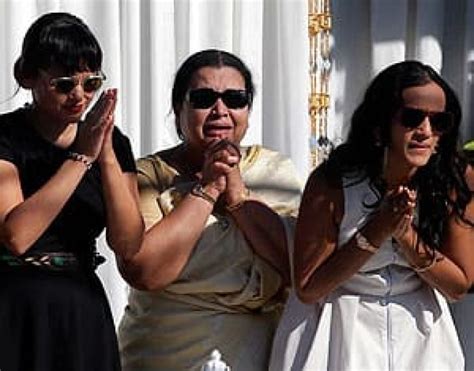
383 318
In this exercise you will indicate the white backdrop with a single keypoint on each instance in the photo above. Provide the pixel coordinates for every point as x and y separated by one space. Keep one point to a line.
145 40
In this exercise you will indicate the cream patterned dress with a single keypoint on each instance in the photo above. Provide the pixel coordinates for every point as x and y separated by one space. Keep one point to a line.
226 297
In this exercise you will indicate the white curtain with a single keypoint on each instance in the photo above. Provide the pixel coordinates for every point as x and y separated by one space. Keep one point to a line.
145 40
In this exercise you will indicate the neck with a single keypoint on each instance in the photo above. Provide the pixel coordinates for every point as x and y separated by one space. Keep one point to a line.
61 134
395 177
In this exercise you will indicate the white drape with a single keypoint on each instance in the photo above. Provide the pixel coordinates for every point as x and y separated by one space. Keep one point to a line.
145 40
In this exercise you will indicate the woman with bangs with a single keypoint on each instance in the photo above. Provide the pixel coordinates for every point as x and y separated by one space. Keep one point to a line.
384 237
63 179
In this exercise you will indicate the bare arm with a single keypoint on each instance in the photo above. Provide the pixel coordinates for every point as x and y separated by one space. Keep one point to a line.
265 232
22 222
451 270
167 244
124 223
320 266
262 227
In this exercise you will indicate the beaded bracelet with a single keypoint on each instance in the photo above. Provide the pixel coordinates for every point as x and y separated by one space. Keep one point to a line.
199 191
428 266
364 244
75 156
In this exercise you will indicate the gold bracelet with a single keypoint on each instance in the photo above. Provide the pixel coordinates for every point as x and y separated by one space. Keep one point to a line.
75 156
363 243
199 191
244 197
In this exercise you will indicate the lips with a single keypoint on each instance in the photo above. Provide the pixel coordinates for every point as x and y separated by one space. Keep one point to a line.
217 130
75 109
420 148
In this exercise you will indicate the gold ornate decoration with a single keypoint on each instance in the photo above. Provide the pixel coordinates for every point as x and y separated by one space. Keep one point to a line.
319 29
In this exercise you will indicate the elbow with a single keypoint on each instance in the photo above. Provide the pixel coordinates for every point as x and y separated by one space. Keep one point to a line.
15 245
140 277
307 295
305 298
126 248
144 283
148 285
458 293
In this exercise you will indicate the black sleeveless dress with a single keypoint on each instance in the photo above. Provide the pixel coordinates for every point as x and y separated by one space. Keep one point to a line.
57 320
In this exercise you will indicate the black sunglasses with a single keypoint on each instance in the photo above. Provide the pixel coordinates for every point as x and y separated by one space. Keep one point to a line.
206 98
90 84
441 122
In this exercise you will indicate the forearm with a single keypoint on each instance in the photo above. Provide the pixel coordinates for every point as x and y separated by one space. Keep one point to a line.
319 274
448 278
435 268
27 221
265 232
325 274
124 224
168 245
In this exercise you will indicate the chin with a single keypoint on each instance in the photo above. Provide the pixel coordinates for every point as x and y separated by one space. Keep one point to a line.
417 161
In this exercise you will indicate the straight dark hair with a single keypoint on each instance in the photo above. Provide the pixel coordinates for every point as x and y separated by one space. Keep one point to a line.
58 40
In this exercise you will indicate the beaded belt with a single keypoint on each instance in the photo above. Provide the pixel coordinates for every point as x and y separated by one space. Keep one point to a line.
56 261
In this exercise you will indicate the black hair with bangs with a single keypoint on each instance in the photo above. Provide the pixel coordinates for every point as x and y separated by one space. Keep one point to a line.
59 40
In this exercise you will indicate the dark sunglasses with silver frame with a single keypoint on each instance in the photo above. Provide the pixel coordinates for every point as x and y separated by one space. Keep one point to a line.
90 84
206 97
441 122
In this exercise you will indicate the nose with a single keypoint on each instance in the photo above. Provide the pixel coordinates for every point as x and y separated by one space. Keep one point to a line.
425 126
220 108
77 93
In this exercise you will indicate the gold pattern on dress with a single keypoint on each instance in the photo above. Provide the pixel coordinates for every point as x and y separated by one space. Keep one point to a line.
250 156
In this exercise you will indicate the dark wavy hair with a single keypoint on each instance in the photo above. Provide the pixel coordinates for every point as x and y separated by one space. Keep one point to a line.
363 152
206 58
57 40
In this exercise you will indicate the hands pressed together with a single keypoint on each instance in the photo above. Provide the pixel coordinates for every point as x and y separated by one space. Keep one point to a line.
94 138
221 172
398 208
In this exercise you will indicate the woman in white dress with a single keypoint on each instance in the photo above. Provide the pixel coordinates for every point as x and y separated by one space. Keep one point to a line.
384 237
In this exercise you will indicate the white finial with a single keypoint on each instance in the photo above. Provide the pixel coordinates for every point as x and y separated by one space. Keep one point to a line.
214 363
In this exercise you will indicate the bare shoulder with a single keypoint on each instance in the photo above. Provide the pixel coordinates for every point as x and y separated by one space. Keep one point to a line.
324 193
470 177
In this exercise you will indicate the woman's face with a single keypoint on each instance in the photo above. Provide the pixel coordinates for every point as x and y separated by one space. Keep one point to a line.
202 123
412 147
59 106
